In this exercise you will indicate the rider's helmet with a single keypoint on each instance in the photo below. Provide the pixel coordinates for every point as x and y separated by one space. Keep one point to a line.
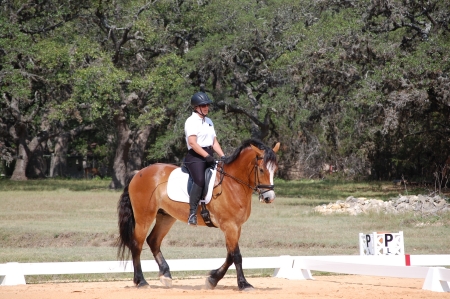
200 98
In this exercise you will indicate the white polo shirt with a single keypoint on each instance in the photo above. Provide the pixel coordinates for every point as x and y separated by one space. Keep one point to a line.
204 130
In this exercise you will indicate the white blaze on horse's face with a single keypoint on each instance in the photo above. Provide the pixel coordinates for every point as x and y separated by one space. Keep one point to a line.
269 196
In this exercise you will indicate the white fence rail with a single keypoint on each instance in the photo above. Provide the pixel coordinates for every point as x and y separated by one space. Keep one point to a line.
427 267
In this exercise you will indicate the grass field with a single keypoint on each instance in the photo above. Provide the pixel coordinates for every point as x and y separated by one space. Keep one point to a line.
75 220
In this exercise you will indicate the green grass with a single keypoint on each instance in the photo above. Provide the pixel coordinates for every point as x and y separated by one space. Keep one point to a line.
55 184
53 221
324 191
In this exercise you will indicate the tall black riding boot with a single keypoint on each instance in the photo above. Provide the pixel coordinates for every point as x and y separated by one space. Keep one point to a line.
194 198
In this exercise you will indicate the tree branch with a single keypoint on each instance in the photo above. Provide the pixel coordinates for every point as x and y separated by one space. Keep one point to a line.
125 35
237 109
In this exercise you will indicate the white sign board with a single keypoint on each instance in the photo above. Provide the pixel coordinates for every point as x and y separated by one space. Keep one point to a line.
381 243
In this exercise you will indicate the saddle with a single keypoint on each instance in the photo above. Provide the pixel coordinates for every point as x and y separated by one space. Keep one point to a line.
208 174
180 184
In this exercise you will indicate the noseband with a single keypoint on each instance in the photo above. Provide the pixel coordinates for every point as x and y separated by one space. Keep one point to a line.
258 188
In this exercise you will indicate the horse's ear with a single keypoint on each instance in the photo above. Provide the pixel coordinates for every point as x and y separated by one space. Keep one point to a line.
257 150
276 147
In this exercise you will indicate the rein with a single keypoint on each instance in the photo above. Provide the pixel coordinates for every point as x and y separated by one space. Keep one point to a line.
257 188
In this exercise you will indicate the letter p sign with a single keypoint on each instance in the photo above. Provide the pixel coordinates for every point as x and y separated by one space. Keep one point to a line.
388 238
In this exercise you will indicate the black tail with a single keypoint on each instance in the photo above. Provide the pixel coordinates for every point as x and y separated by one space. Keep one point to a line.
126 224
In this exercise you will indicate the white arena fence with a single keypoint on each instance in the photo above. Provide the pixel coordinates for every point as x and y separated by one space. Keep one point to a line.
427 267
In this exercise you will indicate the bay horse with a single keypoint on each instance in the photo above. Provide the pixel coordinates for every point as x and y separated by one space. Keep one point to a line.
249 169
92 172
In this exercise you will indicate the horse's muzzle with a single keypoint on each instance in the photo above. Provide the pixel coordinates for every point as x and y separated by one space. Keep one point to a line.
267 196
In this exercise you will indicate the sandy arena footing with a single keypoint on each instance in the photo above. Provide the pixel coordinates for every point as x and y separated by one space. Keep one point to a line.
342 286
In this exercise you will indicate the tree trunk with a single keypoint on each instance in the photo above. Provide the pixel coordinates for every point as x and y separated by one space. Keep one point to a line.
123 146
136 155
19 173
37 165
59 159
58 165
19 133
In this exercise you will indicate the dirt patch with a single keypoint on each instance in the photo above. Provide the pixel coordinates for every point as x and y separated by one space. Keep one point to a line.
342 286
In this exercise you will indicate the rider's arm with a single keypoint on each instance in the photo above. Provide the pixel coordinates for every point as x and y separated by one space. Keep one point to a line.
217 148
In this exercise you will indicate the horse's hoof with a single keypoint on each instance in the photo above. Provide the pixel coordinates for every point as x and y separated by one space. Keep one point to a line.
245 287
166 281
209 285
143 285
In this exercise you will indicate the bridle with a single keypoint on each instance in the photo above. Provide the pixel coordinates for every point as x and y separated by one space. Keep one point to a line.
260 189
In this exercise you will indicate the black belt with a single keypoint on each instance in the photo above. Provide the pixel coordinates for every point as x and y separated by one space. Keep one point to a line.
206 148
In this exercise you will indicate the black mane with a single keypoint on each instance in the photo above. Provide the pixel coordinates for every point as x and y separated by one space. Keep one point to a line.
269 155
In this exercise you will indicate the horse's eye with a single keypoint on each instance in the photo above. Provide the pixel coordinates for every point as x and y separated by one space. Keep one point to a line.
261 170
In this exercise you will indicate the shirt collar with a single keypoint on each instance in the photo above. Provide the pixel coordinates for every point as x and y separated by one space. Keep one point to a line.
198 115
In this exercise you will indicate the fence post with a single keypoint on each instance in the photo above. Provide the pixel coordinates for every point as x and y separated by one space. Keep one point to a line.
433 281
13 275
292 269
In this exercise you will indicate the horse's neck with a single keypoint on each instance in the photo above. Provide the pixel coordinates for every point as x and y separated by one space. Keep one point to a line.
241 169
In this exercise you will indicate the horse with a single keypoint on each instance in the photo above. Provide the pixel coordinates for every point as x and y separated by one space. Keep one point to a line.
92 172
249 169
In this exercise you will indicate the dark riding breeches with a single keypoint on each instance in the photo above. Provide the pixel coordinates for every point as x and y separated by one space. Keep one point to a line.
197 165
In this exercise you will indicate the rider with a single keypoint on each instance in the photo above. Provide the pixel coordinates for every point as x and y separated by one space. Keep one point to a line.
201 142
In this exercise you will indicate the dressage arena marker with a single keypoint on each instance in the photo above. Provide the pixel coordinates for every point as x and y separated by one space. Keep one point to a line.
427 267
381 243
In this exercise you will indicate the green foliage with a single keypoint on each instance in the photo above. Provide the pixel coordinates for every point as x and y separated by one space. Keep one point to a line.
359 84
80 146
98 85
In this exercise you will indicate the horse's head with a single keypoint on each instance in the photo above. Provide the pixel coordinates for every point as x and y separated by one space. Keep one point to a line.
265 167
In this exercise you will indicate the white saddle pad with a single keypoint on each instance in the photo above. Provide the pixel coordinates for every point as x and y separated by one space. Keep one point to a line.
177 186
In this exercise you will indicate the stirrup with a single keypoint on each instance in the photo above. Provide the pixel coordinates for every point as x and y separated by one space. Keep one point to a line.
192 220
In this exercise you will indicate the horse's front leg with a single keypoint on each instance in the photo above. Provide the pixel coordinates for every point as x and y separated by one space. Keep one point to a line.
241 281
218 274
232 235
233 256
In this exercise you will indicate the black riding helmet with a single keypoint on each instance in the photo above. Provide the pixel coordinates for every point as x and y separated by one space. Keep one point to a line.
200 98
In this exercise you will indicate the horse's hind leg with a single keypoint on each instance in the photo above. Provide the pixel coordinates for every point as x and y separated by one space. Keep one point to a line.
162 226
136 250
133 228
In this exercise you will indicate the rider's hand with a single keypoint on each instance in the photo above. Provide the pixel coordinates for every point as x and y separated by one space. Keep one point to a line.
209 159
223 158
